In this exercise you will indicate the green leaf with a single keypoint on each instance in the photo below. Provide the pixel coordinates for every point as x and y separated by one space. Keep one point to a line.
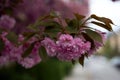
88 38
107 27
28 35
47 20
78 16
49 23
45 17
71 30
43 53
1 30
54 14
41 21
28 50
52 33
11 36
73 23
94 35
2 45
52 29
81 60
33 27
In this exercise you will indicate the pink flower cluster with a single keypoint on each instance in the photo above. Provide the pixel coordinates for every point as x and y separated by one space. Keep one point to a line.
69 48
50 46
6 52
7 22
98 44
33 58
12 53
66 48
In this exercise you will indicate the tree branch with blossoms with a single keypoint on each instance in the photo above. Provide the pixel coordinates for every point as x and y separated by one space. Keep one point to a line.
65 39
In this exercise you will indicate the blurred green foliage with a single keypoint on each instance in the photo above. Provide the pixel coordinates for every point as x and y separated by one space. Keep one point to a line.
51 69
110 50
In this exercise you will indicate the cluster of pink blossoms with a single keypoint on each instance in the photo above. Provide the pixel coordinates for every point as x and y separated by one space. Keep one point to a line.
98 44
70 48
66 48
7 22
12 53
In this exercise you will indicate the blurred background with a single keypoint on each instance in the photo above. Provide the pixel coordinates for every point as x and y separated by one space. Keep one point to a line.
104 65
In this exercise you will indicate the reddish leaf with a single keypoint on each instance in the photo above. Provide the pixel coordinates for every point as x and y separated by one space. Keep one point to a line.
86 55
106 21
78 16
102 19
1 45
108 26
81 60
73 61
